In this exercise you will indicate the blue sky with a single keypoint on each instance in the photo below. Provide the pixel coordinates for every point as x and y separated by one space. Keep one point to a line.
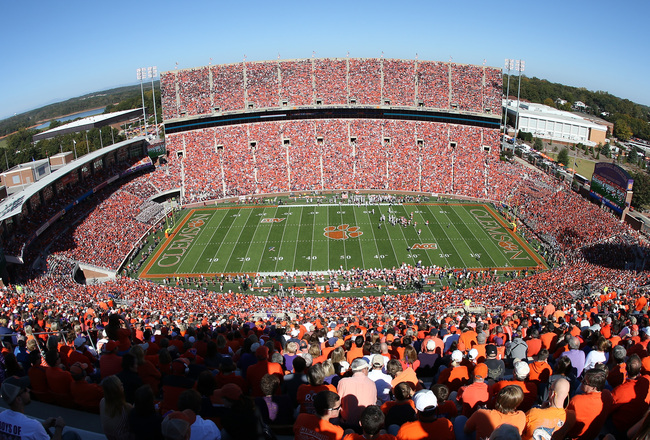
53 51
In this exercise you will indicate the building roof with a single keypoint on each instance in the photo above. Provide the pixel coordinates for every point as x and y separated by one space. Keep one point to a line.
13 204
88 123
541 111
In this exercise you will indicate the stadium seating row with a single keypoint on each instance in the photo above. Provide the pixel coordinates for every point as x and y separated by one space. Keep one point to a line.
335 154
354 81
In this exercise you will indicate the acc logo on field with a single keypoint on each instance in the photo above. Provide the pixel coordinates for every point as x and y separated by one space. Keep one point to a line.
196 223
272 220
424 246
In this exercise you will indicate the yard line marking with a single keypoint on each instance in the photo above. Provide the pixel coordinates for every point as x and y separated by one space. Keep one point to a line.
238 238
259 265
207 245
485 252
257 225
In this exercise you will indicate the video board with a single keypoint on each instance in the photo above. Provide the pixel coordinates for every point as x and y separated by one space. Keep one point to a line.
610 184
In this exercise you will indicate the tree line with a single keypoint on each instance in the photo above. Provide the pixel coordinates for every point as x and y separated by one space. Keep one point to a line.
106 98
19 147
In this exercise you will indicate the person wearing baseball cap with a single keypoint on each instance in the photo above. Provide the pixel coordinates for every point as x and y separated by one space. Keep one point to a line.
86 395
382 380
428 425
456 375
109 362
15 393
496 367
520 378
356 392
177 425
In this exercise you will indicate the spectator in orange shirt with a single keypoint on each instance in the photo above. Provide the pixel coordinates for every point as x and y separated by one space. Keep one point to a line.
543 421
307 392
58 380
520 378
630 398
477 394
356 350
84 394
481 424
310 426
534 343
446 407
617 373
467 339
428 424
540 373
587 412
640 303
549 338
456 375
256 371
400 410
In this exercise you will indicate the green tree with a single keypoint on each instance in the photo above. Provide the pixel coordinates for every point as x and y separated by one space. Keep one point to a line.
606 150
622 130
549 102
538 144
563 156
641 194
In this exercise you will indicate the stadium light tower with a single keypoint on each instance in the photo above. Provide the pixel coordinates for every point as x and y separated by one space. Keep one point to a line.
141 73
509 65
519 66
151 73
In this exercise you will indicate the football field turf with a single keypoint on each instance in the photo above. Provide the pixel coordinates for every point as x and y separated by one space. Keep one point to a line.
316 238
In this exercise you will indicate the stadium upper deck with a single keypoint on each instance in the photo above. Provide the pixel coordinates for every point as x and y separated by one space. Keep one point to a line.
367 82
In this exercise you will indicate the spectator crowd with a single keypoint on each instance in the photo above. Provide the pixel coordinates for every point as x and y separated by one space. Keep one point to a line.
557 354
327 81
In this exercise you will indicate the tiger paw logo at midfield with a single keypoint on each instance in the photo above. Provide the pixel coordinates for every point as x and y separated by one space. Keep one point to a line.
196 223
342 232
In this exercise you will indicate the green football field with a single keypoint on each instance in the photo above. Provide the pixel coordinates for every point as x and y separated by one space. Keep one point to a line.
317 238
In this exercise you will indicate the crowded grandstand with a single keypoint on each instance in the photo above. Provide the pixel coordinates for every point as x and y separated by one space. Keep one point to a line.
259 366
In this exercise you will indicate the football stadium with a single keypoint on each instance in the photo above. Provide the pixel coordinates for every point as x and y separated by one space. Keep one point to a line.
324 243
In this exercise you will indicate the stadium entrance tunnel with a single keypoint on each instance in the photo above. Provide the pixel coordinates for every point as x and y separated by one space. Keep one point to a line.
87 274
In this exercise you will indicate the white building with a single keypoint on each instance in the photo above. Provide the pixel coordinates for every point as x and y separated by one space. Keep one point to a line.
555 125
